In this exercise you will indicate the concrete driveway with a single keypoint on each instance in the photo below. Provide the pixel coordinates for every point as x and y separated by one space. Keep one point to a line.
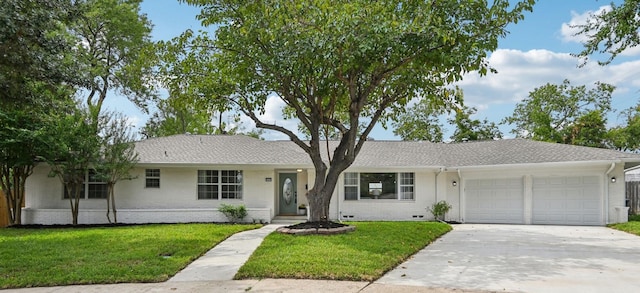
518 258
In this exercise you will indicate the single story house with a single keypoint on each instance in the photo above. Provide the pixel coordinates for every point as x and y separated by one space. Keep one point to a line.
185 178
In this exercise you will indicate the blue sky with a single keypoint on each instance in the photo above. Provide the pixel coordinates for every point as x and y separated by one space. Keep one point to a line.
535 52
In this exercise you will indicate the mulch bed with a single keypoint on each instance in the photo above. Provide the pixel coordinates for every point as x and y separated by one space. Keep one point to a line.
319 227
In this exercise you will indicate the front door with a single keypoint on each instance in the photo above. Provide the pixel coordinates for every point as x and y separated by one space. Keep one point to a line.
288 197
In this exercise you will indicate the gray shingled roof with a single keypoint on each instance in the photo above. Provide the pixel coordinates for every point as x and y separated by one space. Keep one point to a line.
243 150
219 149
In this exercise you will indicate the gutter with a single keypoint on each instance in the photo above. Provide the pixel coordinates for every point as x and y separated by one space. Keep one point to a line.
606 192
460 203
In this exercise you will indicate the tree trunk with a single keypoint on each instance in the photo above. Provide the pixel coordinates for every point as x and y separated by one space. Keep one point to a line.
108 210
13 184
113 203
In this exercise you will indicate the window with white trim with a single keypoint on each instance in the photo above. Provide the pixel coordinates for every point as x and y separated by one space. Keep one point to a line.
152 178
92 187
219 184
364 186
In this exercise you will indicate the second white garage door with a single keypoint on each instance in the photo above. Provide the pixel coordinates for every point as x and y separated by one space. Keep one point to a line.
567 200
494 201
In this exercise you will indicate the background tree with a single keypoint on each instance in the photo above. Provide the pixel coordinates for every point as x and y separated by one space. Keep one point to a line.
590 130
21 141
611 31
626 137
36 73
552 112
473 129
34 47
363 58
174 117
117 156
420 122
74 147
115 51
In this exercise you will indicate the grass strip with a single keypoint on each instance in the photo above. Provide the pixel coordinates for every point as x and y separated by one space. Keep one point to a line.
633 226
66 256
364 255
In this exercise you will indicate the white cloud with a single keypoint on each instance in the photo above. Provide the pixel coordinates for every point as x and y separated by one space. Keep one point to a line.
568 30
520 72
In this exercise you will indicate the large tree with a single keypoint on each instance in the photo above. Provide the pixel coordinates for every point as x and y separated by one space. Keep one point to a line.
366 59
554 112
611 31
36 73
115 51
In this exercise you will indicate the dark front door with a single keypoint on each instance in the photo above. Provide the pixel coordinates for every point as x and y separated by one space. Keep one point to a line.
288 197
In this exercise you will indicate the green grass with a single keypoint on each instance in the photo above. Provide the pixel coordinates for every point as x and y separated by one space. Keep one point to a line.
147 253
633 226
364 255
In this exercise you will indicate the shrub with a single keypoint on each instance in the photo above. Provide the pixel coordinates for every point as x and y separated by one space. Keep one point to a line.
439 209
235 214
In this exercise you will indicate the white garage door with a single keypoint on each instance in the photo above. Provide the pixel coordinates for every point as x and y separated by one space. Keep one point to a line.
567 200
494 201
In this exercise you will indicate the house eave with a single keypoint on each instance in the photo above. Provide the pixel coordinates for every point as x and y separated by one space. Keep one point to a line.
535 165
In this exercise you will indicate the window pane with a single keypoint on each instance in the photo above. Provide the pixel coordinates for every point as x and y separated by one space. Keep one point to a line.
207 176
230 177
350 192
152 172
152 183
406 192
207 192
66 194
378 185
232 191
153 178
97 190
406 178
350 178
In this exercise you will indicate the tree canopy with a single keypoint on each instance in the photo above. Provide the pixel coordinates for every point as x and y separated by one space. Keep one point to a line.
563 113
611 31
363 58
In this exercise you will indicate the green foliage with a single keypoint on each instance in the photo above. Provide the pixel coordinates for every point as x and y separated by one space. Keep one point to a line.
132 254
468 129
560 113
117 155
74 146
439 209
611 31
115 51
235 214
34 47
363 59
363 255
626 137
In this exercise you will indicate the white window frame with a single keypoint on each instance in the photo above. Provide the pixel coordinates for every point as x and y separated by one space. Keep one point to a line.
399 186
152 177
85 187
220 181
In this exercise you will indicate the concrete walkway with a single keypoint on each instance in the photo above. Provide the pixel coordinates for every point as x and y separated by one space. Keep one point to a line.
223 261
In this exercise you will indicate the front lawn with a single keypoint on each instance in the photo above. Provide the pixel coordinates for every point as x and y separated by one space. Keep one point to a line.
633 226
364 255
63 256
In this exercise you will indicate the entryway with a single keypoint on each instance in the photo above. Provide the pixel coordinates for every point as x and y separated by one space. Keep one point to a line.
287 193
